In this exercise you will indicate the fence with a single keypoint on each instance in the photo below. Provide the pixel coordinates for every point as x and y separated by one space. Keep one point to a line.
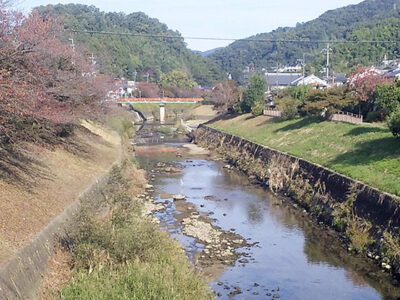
272 113
346 117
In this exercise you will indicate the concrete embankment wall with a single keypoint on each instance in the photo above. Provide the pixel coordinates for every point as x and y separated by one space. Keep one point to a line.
320 190
21 277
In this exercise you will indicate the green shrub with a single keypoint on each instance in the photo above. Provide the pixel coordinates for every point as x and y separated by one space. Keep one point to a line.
257 109
394 123
387 96
359 235
289 107
376 116
325 102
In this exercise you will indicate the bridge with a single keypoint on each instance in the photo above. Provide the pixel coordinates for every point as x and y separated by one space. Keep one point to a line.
161 101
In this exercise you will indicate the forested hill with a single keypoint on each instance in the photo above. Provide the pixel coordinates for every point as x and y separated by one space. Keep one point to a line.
371 19
125 55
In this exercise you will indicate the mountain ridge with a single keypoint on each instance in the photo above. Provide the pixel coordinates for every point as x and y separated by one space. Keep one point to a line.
132 57
337 24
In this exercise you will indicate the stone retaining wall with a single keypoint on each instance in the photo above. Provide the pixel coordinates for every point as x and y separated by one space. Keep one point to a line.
348 118
327 189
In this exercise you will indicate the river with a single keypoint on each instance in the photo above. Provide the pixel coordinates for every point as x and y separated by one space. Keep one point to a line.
287 255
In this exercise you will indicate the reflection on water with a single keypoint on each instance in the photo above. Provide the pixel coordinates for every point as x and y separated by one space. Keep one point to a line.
290 252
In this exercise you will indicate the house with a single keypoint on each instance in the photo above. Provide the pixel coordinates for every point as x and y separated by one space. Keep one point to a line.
369 71
129 86
248 72
312 80
390 64
281 80
395 74
290 69
337 79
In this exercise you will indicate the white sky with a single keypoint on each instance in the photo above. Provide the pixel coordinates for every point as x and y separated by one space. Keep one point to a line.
216 18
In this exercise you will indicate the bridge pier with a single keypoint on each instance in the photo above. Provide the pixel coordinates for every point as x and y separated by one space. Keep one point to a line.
162 113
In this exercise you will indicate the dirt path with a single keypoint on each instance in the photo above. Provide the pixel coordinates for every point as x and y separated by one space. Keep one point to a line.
60 176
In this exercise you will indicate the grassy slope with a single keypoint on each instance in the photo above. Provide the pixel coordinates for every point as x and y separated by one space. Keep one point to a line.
369 154
49 181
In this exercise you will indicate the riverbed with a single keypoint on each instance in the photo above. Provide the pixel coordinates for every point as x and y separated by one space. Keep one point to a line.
271 248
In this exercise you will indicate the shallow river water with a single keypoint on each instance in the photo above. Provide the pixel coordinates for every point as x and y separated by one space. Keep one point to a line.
291 257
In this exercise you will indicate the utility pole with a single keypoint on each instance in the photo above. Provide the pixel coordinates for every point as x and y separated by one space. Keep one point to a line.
92 59
328 52
303 66
73 50
276 79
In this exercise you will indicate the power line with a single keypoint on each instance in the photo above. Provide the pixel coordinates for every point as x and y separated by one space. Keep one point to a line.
235 40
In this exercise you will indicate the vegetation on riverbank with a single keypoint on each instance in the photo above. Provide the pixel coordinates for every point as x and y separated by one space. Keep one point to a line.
366 153
353 209
117 252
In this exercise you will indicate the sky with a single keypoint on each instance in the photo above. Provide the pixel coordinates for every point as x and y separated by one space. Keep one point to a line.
215 18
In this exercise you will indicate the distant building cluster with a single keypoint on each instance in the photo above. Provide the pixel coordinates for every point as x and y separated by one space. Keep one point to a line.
123 88
292 75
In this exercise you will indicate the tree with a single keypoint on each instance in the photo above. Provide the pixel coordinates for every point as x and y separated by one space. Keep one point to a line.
299 92
394 123
176 79
133 57
288 106
328 101
254 94
148 89
387 97
43 81
364 82
225 95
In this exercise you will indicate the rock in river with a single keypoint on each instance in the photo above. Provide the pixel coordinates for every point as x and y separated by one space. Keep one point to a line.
172 170
178 197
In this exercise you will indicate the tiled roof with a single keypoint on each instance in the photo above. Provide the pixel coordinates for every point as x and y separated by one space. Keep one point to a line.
281 79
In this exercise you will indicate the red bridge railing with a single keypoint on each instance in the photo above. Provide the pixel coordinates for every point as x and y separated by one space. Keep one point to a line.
160 99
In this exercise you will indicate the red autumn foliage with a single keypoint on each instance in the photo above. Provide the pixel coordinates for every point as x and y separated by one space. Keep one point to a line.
43 80
148 90
364 82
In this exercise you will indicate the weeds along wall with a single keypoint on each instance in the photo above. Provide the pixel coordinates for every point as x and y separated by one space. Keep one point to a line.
368 219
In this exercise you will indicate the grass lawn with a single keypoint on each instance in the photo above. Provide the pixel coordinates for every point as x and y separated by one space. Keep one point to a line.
364 152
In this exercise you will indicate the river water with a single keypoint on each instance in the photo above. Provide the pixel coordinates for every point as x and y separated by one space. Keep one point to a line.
291 257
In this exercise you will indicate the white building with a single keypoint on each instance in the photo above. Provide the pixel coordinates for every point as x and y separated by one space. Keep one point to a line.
312 80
